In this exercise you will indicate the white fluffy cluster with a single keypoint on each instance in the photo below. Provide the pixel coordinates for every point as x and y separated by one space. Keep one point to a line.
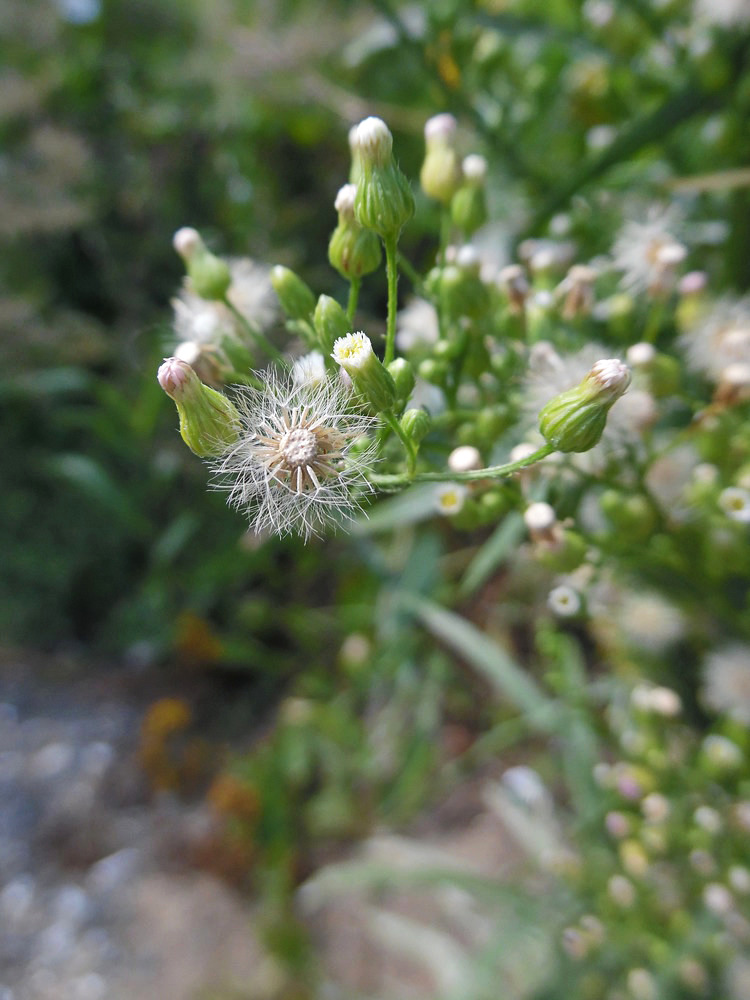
720 339
294 469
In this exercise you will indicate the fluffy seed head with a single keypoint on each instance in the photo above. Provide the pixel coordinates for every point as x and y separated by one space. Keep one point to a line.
295 469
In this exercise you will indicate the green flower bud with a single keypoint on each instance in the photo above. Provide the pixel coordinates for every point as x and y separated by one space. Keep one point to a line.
632 515
440 175
209 275
384 201
209 422
416 423
493 504
432 370
402 374
462 291
565 554
330 322
575 420
469 203
296 298
355 355
353 250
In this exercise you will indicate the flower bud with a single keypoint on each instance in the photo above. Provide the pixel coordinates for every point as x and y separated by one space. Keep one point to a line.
403 377
209 422
575 420
296 298
330 322
432 370
465 458
209 275
353 250
355 355
416 424
462 291
440 175
384 202
469 203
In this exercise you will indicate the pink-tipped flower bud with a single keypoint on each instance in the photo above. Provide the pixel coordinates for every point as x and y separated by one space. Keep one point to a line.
441 173
209 422
209 275
575 420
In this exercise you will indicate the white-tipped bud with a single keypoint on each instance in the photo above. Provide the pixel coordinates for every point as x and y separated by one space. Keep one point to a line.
344 203
575 420
373 141
611 376
540 518
466 458
186 241
355 355
474 168
441 128
450 498
440 175
467 259
641 355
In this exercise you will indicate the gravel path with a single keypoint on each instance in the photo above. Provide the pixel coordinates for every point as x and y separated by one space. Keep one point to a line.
96 898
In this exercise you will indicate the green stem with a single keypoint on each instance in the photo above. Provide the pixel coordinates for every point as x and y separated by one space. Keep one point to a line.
409 447
260 339
391 268
493 472
351 306
446 226
412 274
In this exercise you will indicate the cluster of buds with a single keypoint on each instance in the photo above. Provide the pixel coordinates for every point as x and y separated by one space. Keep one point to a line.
457 184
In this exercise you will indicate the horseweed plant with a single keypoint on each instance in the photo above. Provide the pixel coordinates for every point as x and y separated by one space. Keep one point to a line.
300 444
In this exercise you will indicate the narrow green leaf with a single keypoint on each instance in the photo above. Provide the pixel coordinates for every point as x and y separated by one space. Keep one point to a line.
486 656
415 504
495 550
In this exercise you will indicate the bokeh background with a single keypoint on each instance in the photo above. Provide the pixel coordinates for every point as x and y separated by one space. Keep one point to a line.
275 700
